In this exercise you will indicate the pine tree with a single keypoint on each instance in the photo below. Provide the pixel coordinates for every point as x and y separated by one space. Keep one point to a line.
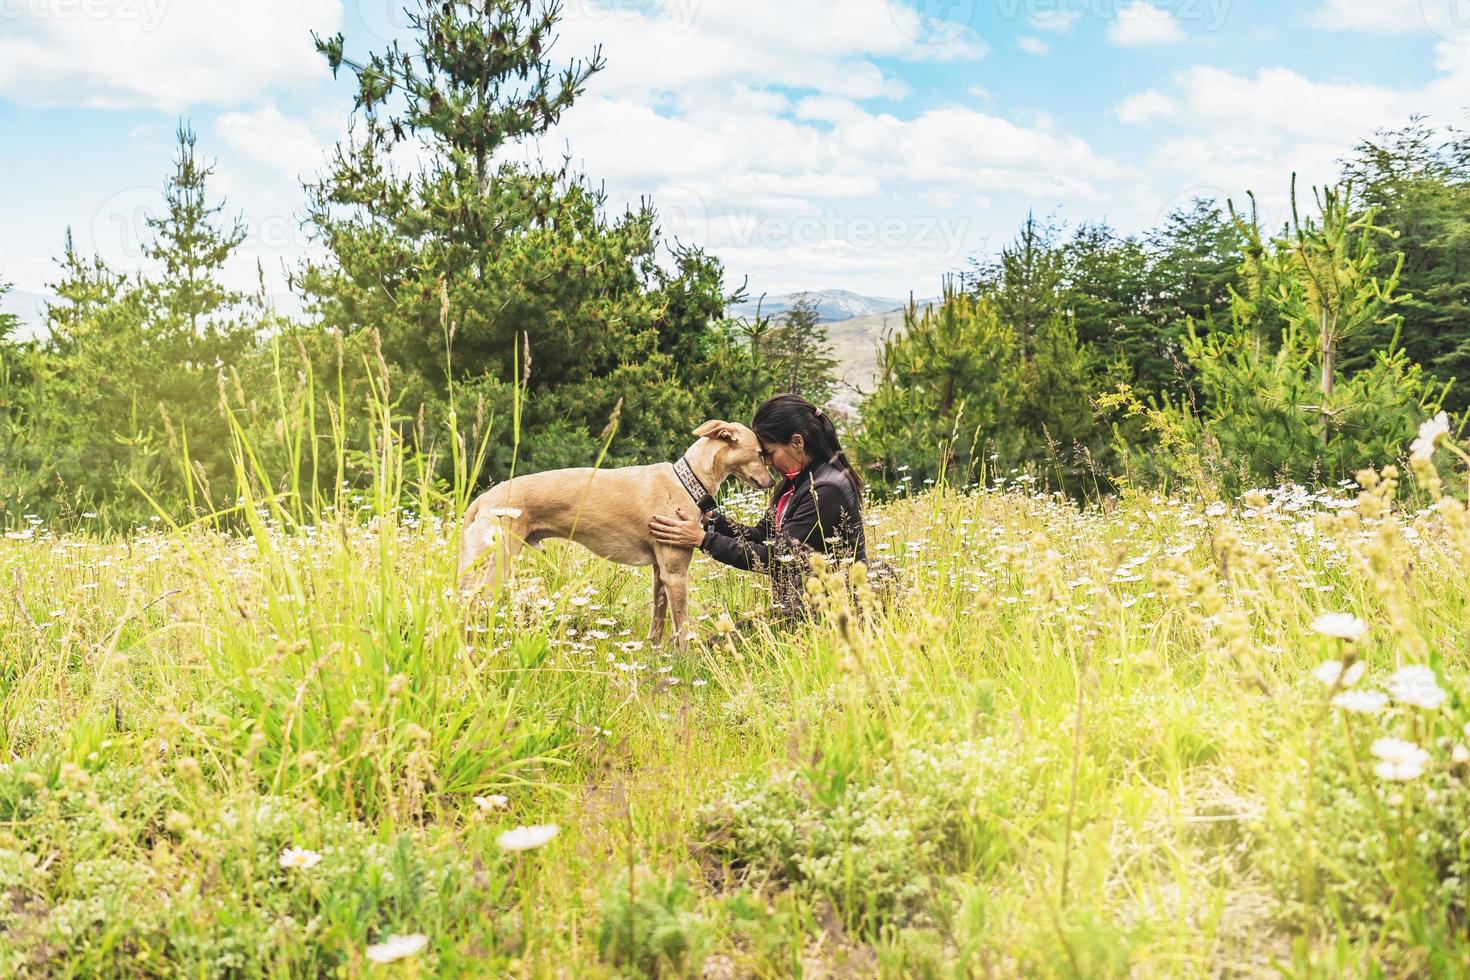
1325 270
1026 283
1195 257
85 292
948 394
1418 180
469 260
798 354
189 297
1266 411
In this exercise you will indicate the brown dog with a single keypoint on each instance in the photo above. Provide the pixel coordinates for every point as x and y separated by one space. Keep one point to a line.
607 512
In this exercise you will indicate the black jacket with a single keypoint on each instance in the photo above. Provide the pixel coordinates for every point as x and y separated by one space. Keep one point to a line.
824 515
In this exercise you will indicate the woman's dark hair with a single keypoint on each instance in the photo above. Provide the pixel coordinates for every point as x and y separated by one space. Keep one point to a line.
782 416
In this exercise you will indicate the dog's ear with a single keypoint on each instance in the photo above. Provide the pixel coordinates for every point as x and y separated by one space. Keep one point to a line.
715 429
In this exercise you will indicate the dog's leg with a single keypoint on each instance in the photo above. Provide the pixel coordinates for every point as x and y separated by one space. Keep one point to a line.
673 566
660 609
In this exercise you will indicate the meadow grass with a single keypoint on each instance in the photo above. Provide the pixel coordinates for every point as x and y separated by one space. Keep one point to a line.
1069 741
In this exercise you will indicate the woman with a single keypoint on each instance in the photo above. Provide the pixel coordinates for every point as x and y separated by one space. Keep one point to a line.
816 508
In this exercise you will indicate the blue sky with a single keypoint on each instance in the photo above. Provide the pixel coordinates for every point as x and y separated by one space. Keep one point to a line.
871 145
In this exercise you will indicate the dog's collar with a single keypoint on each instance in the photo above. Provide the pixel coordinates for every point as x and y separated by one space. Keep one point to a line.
694 486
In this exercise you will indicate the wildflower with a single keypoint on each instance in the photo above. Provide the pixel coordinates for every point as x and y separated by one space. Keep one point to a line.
1343 626
1430 431
511 512
397 947
1401 761
1361 702
528 838
495 801
1416 685
299 857
1459 755
1333 674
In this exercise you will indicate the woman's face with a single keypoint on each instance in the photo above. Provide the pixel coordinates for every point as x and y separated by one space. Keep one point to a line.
784 457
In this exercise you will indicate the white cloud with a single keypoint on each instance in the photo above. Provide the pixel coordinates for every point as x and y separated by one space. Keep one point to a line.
1143 107
158 54
1032 45
1233 133
758 140
1376 17
660 50
832 191
1279 102
827 108
286 145
1054 20
1140 24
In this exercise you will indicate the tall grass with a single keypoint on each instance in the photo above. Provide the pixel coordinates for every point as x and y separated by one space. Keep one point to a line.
1069 741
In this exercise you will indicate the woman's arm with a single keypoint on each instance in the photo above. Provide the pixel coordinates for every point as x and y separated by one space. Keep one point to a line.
811 516
716 521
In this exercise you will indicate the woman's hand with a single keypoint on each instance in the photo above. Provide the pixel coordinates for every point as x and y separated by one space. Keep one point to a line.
679 531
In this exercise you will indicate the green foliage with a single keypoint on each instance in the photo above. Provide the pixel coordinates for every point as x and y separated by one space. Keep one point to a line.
1348 851
947 394
475 272
93 912
124 391
796 356
1262 409
650 924
875 842
1072 319
1417 180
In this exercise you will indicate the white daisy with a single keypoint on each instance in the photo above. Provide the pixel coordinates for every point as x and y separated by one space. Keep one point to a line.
528 838
1331 673
1343 626
397 947
299 857
1430 432
495 801
1401 761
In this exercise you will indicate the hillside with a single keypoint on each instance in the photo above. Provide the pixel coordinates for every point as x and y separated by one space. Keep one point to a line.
856 326
832 304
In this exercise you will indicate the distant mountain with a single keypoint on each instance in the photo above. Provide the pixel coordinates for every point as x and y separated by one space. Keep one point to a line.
832 304
856 327
857 343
